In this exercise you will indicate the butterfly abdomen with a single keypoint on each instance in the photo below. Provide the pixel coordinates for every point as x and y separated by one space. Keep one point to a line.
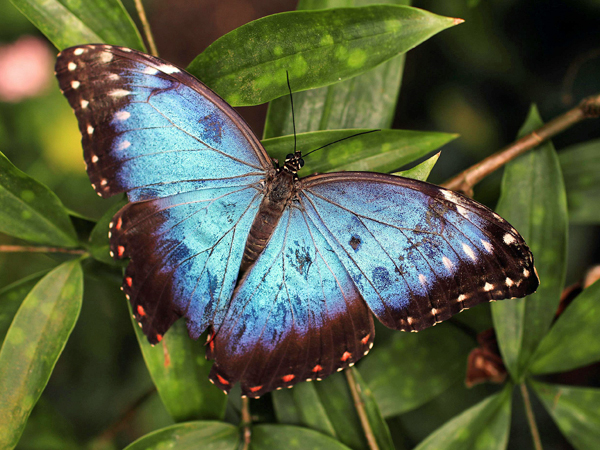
279 191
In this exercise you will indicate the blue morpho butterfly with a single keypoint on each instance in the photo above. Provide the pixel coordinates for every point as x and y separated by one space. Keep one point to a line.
284 272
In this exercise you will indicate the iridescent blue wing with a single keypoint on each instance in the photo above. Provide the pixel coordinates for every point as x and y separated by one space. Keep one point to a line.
416 252
296 315
191 166
152 130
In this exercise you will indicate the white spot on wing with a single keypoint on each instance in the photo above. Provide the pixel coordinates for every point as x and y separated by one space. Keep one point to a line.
462 297
95 159
447 263
78 51
449 195
104 182
167 68
488 287
75 84
509 282
90 129
423 279
462 211
125 49
525 273
84 103
123 145
509 239
106 57
469 251
113 76
119 93
122 115
71 66
487 245
150 71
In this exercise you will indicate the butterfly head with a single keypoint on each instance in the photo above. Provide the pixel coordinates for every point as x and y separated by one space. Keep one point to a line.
293 162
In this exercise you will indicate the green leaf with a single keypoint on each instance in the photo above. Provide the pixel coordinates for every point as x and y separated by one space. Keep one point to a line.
325 406
73 22
248 65
99 241
533 200
378 426
365 101
427 363
484 426
277 437
580 165
31 211
420 171
576 411
562 349
33 344
207 435
180 372
380 151
11 298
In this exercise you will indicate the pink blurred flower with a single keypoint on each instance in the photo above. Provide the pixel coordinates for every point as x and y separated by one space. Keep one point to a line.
25 68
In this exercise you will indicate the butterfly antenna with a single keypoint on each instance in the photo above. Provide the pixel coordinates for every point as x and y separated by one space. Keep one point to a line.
340 140
292 102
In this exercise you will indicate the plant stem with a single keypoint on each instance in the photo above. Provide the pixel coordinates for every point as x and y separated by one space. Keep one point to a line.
464 181
33 249
146 25
535 434
246 422
360 409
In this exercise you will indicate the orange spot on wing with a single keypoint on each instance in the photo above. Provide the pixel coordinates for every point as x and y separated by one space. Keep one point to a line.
255 388
120 250
287 378
159 337
365 340
346 356
119 223
141 311
129 281
222 380
317 368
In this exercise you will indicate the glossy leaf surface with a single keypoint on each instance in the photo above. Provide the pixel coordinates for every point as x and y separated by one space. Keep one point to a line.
348 104
380 151
180 372
484 426
581 168
573 340
276 437
316 48
11 298
31 211
427 363
420 171
191 436
533 200
73 22
576 411
34 343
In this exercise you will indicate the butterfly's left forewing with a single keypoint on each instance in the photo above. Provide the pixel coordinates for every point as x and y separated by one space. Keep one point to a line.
296 315
189 164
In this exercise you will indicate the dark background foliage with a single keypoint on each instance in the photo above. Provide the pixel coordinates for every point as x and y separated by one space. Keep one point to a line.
478 79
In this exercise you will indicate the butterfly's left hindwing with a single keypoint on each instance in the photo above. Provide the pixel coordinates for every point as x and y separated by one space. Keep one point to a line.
295 316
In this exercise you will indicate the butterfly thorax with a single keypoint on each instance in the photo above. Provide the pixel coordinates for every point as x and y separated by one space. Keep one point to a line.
279 191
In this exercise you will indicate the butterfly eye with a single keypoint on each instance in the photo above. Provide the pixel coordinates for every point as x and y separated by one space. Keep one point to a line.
300 163
289 156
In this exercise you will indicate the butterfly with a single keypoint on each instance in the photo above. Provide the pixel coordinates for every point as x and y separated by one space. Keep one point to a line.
285 273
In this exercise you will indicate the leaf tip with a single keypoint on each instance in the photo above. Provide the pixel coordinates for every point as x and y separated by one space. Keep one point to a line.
456 21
